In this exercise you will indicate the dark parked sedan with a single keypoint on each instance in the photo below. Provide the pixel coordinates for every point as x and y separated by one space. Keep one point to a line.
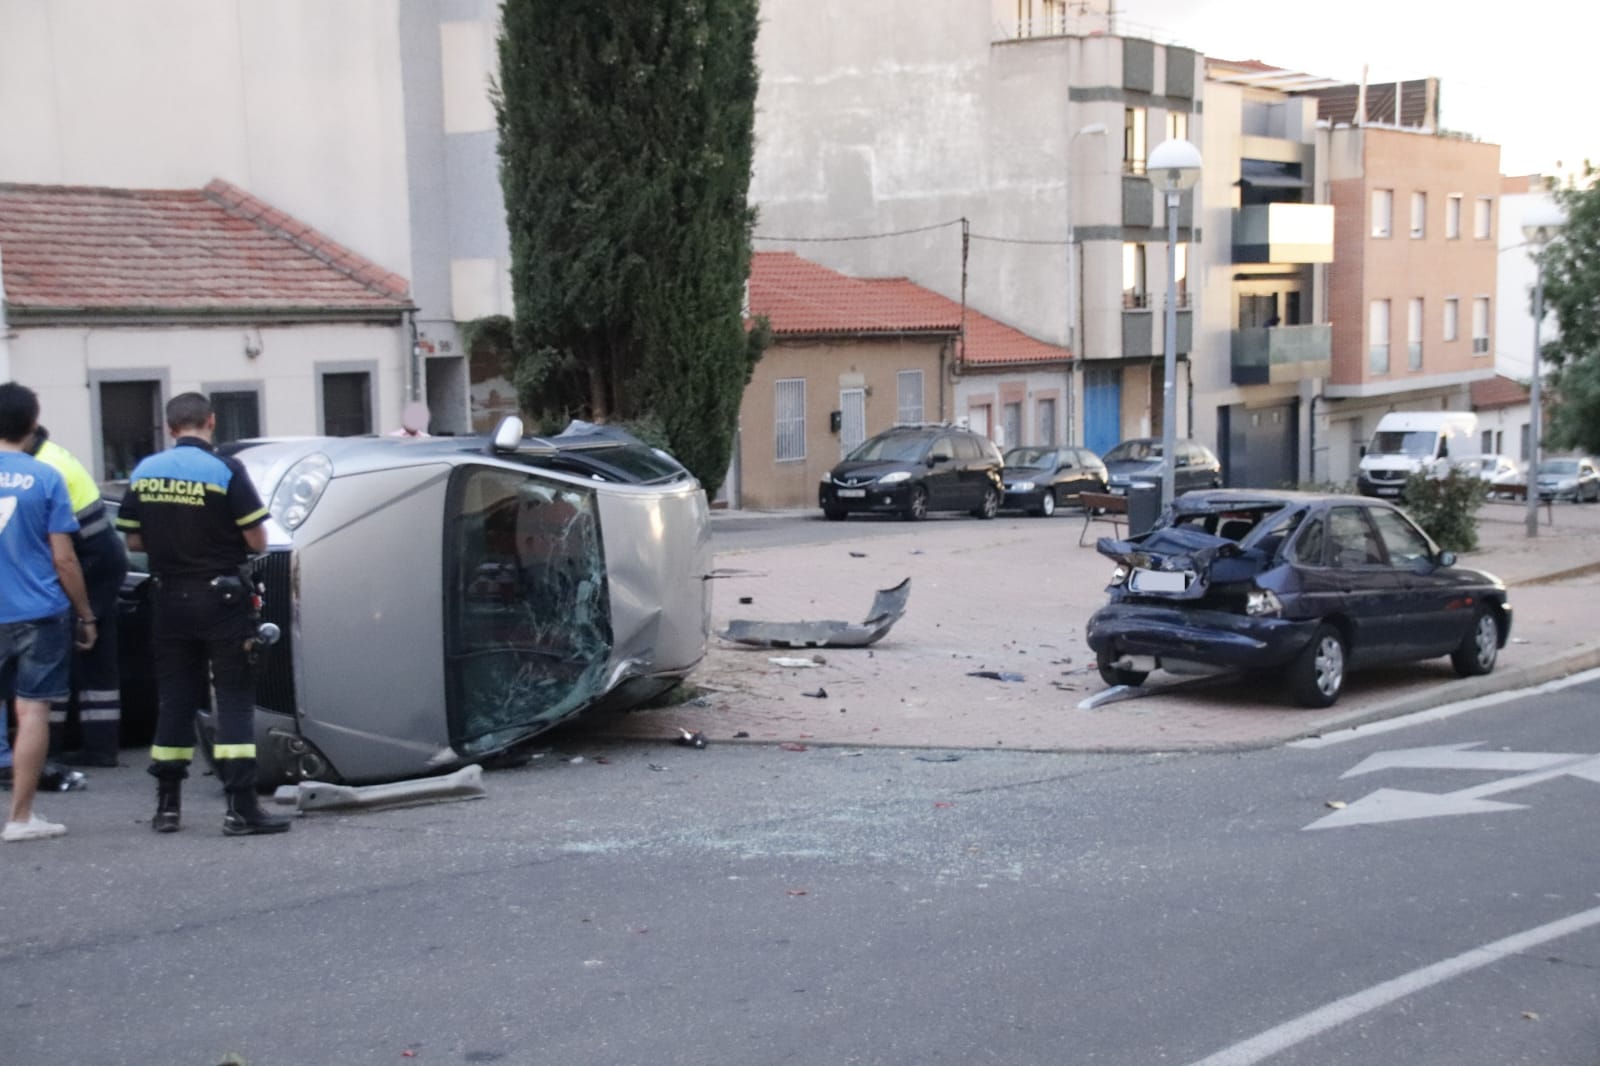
1040 479
910 470
1140 459
1295 584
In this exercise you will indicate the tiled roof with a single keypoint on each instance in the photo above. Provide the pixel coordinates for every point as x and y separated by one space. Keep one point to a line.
1498 391
146 251
802 298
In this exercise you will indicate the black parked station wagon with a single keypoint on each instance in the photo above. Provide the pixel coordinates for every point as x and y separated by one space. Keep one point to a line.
1301 585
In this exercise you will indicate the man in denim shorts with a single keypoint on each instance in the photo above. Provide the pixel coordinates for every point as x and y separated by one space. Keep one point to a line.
44 608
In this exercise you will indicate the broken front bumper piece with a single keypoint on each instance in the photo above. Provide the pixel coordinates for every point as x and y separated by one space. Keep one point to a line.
887 607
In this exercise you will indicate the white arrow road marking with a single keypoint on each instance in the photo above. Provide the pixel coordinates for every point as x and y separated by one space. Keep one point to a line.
1458 757
1298 1030
1396 805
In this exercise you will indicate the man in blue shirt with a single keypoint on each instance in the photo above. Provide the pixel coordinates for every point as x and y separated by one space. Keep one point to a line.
41 590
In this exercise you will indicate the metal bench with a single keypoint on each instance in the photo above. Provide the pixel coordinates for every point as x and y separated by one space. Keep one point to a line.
1102 507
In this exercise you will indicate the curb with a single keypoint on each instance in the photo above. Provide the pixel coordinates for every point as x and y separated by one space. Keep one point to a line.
1581 658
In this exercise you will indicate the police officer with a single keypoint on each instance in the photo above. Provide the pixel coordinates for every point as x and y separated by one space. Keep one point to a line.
96 682
199 518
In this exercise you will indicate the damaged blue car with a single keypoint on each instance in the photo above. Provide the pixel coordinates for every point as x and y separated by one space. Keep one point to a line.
1296 585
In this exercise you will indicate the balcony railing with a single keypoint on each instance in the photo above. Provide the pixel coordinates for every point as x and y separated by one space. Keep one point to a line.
1276 354
1283 233
1064 22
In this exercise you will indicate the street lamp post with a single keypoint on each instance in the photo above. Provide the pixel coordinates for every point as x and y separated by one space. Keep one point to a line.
1541 223
1173 166
1093 129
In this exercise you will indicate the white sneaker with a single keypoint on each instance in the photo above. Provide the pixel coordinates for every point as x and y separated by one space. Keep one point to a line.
35 828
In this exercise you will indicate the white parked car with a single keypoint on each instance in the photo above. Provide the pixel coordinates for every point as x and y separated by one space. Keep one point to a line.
1495 469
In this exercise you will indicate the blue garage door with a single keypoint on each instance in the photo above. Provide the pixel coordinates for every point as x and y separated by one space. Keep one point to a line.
1102 408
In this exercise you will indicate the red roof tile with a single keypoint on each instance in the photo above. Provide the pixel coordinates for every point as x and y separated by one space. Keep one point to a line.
1498 391
799 297
74 248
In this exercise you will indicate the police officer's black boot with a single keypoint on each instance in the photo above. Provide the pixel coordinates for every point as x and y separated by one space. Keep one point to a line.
169 797
246 818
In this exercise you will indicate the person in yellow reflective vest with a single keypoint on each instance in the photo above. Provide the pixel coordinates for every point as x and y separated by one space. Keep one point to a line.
95 705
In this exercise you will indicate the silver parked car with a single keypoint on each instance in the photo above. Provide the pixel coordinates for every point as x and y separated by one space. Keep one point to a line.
443 600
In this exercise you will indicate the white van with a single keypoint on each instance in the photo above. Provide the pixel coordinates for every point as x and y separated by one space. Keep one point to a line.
1409 442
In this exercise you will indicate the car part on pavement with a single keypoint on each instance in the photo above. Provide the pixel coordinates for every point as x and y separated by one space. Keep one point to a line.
465 783
887 608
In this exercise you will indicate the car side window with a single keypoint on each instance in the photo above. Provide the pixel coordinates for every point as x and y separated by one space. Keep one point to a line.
966 448
1406 543
942 449
1310 547
1355 542
1068 459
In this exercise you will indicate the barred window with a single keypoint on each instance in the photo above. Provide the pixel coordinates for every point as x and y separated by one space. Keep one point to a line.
789 418
908 397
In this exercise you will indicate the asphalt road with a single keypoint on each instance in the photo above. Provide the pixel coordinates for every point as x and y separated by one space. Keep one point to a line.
781 529
744 905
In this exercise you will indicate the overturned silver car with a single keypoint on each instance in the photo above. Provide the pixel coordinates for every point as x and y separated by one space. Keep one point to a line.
442 600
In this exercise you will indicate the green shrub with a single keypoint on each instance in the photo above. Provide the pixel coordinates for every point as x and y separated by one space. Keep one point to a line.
1444 507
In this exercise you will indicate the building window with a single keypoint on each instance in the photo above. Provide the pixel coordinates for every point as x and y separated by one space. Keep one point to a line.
1480 326
1378 337
1419 215
1452 217
908 397
238 415
131 425
1134 290
1046 418
1480 218
1414 335
347 404
1382 212
1133 139
1177 125
1180 259
789 419
1452 319
1010 425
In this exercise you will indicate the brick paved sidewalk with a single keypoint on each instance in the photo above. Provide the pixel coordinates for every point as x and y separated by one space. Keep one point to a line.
1014 595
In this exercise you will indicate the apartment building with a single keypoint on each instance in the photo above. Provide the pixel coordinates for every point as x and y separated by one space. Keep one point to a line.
994 154
1264 344
1412 287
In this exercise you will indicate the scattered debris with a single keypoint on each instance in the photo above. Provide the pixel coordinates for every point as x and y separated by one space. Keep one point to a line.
888 605
1337 805
691 740
851 754
858 555
797 892
996 675
1520 640
1530 1016
820 694
602 760
747 599
741 735
465 783
947 756
789 745
574 760
657 767
781 660
940 805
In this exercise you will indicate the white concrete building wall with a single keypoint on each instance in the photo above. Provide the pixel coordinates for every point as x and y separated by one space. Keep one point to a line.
915 117
60 363
296 101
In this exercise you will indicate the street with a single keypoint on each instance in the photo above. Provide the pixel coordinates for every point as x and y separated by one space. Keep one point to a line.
736 905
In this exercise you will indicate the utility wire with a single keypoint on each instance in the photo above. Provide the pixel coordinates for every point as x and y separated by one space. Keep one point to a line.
856 236
1019 240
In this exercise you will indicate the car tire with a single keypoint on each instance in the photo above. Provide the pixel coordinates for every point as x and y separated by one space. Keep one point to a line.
1316 677
916 504
1480 648
1047 504
1113 675
990 505
835 514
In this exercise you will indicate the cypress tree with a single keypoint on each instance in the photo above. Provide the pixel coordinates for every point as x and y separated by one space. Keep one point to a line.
626 136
